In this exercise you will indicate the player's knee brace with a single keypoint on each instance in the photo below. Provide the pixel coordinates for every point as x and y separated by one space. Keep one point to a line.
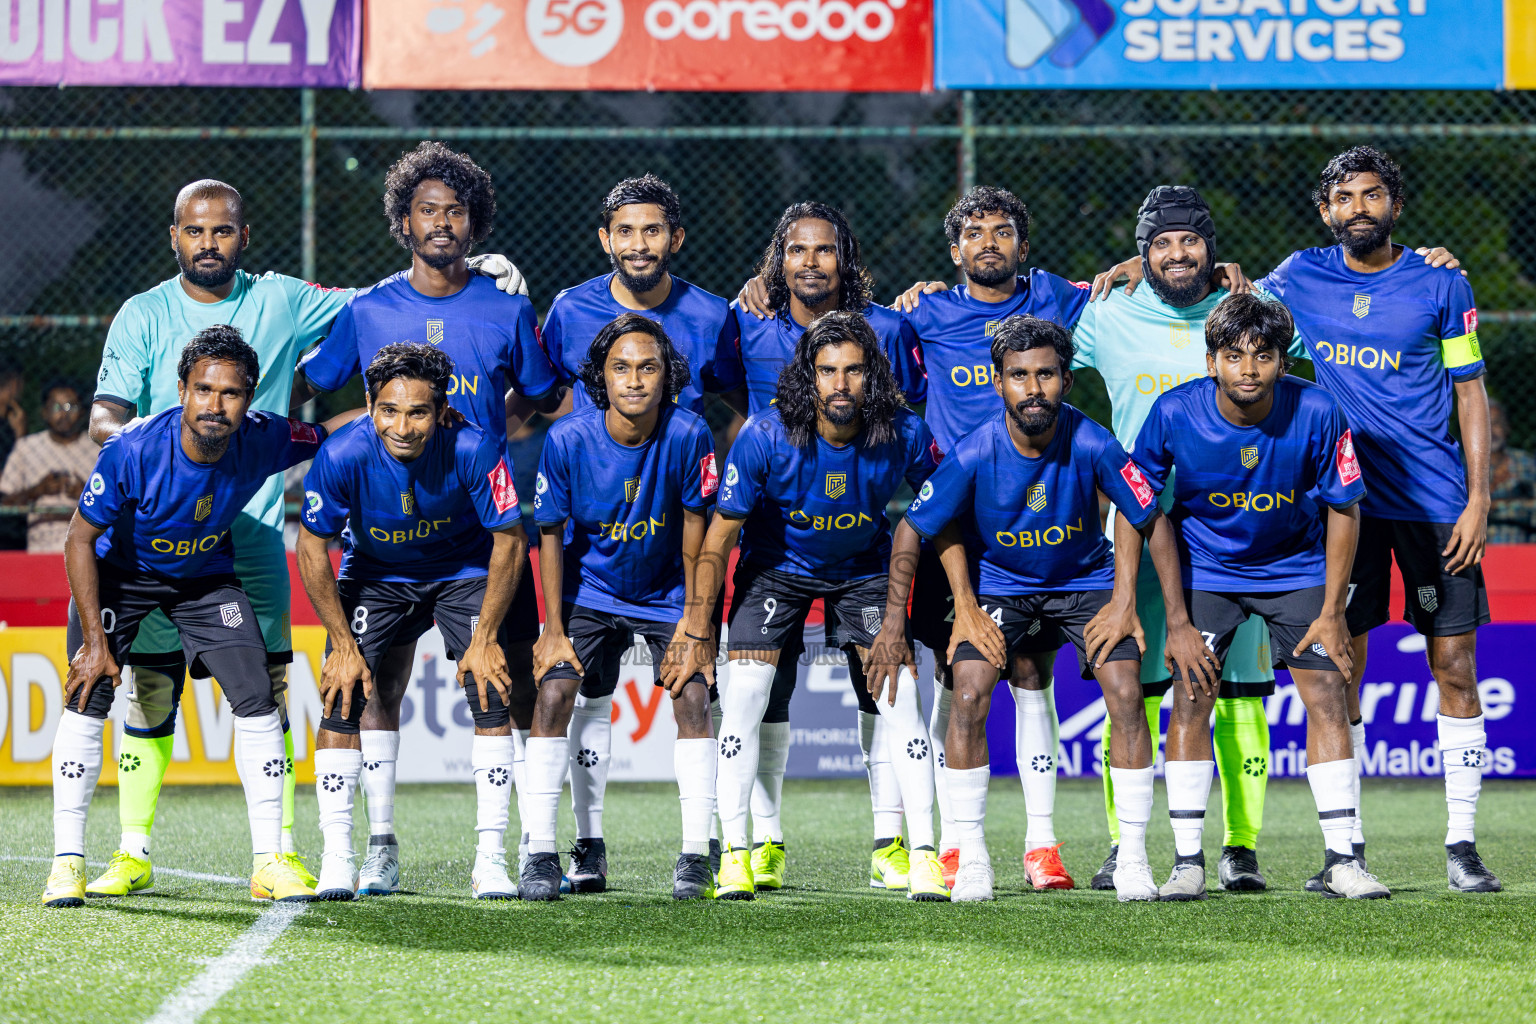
156 696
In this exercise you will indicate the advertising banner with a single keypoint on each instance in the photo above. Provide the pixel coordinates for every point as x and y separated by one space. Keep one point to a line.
1228 44
1398 703
743 45
180 42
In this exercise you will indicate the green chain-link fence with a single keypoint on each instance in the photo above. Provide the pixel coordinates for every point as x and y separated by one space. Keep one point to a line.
87 177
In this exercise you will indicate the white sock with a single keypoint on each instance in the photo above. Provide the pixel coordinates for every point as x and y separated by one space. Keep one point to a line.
1357 741
260 760
547 758
938 727
906 743
884 787
591 736
968 798
693 761
135 843
743 702
491 757
1333 790
381 750
1036 735
715 717
1189 789
1463 753
77 754
1133 808
520 780
768 788
336 775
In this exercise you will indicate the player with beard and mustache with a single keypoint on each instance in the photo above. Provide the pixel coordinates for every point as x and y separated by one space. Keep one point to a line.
809 480
1023 490
641 230
1264 521
1142 344
439 204
812 266
1392 339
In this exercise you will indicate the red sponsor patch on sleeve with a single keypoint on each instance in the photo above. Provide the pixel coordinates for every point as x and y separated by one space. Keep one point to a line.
1131 473
303 433
1345 461
503 492
1469 321
709 475
934 453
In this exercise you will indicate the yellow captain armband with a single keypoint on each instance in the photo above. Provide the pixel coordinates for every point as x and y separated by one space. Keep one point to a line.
1460 351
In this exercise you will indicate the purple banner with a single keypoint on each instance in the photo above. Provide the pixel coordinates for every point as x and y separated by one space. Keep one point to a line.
181 42
1398 702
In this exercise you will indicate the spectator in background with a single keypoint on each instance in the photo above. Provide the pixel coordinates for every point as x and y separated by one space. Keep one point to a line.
1512 516
48 470
13 426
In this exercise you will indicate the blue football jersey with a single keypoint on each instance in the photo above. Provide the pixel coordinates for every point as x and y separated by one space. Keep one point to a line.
1245 499
699 323
1032 525
421 521
1389 346
819 511
491 337
955 332
764 347
167 515
623 509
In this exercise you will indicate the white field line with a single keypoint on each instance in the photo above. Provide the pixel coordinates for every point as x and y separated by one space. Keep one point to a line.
199 995
188 1003
196 876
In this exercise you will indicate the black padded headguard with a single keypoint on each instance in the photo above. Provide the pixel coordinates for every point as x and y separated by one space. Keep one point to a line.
1171 208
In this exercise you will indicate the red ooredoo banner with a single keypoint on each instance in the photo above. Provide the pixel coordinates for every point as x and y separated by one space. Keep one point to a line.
737 45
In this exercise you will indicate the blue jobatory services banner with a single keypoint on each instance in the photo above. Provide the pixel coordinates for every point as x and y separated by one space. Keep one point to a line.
1227 44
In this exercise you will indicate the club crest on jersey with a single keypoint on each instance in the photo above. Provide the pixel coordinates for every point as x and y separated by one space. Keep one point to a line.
204 507
1362 305
407 503
872 619
1249 456
1036 498
837 484
991 327
1178 334
230 615
631 489
1429 598
434 332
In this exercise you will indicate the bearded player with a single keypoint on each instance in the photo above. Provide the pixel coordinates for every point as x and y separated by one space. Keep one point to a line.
1024 492
439 204
812 265
806 486
624 489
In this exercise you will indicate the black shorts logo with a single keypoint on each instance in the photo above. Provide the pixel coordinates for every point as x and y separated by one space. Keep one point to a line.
1429 598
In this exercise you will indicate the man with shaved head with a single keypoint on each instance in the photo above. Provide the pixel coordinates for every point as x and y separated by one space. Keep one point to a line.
280 317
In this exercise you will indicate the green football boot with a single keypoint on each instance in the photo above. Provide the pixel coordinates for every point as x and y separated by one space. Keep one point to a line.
888 866
124 875
768 862
736 882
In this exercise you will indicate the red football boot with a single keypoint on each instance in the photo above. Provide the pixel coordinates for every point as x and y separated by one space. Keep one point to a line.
1044 869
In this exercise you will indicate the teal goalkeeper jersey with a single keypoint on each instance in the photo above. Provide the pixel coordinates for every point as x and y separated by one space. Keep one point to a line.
279 316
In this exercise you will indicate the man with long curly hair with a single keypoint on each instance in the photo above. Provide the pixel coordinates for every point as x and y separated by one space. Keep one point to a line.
439 204
622 501
810 479
812 266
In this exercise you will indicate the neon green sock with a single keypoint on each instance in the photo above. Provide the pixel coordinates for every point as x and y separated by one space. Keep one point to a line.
1153 707
141 766
1241 736
288 786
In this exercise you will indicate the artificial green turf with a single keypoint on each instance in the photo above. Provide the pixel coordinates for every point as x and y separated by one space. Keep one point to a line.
827 948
